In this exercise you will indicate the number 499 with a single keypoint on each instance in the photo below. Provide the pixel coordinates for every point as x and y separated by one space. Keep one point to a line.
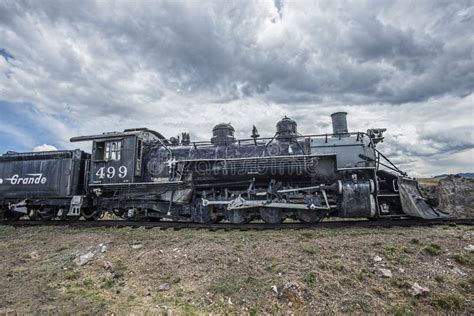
110 172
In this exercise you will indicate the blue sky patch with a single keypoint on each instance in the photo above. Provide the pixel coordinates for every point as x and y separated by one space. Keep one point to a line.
22 128
5 54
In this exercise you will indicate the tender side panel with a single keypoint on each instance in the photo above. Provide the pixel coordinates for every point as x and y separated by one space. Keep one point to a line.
55 174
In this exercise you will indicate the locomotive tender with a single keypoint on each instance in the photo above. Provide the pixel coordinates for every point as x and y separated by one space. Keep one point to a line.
139 174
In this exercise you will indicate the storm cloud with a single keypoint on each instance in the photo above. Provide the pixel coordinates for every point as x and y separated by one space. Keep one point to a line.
91 66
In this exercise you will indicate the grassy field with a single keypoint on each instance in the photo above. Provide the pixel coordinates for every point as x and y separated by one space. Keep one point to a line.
272 272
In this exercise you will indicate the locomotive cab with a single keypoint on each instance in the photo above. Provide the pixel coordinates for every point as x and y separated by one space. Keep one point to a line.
112 160
117 156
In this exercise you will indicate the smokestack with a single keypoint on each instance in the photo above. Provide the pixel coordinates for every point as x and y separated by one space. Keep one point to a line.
339 123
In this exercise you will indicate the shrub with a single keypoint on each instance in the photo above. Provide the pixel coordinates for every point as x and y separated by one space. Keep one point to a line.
463 259
309 249
310 278
450 302
433 249
72 275
225 287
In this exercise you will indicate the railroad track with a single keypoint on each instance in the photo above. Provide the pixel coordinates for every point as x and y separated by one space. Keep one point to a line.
249 226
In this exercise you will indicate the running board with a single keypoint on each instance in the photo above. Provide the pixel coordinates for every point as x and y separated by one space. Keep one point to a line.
413 203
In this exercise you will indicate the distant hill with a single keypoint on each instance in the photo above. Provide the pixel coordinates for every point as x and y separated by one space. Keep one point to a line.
463 174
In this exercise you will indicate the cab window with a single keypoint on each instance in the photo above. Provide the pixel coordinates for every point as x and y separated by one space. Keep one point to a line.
109 150
138 161
112 150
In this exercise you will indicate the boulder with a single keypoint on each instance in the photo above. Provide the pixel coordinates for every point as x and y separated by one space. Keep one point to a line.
275 289
103 248
386 273
454 194
107 265
456 270
84 259
418 290
469 248
164 287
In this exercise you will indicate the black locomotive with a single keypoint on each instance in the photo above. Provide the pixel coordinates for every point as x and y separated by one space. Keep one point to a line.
139 174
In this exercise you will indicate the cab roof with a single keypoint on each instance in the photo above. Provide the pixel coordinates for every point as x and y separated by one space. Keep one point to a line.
110 135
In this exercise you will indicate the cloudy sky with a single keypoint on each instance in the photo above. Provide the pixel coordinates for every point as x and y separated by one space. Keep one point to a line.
71 68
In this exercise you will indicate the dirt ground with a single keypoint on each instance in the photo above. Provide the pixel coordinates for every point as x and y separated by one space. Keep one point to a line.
138 271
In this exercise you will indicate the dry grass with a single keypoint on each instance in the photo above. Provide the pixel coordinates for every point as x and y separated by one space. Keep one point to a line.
235 272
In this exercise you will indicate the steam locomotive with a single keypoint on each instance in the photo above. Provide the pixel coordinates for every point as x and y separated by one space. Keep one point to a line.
138 174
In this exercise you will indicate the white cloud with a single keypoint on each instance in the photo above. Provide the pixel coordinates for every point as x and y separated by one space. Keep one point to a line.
44 147
94 66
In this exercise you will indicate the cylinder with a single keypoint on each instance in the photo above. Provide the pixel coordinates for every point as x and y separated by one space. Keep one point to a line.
339 123
357 199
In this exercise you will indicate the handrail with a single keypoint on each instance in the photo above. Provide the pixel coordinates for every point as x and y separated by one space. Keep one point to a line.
270 139
392 167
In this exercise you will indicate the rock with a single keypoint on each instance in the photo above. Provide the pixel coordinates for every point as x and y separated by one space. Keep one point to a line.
102 248
386 273
377 259
469 248
107 265
137 246
292 292
275 289
459 271
418 290
84 259
454 194
34 255
176 280
164 287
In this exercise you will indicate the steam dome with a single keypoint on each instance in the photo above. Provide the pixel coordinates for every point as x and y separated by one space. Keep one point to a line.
223 134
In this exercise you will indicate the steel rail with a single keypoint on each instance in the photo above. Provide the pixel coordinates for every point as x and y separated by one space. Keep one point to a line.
384 223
